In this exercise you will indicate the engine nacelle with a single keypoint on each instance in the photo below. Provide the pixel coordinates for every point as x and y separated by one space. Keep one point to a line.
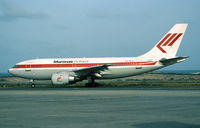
62 78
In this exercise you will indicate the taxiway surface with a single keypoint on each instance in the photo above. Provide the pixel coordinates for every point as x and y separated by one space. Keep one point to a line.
99 108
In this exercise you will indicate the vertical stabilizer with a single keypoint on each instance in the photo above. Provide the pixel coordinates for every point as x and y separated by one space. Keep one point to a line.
168 46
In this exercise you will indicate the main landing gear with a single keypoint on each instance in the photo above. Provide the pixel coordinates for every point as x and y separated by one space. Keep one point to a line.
32 83
91 82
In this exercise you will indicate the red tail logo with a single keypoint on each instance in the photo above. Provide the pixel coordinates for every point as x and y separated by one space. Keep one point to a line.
168 40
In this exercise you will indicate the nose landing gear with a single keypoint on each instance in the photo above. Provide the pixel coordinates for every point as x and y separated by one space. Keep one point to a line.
32 83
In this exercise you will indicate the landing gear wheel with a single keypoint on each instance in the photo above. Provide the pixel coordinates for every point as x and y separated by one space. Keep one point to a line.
32 85
91 82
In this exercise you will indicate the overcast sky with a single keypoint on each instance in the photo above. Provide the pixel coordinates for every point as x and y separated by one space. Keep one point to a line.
32 29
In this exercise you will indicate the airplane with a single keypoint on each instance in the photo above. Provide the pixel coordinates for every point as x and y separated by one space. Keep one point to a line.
65 71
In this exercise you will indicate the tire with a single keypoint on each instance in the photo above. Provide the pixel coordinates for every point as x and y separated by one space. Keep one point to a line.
32 85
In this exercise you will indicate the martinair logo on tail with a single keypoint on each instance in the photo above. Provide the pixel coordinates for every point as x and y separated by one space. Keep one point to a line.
168 40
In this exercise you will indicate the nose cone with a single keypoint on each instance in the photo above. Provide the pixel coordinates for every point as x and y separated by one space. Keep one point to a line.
10 71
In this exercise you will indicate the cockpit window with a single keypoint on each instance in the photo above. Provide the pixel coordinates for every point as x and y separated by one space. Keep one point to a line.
16 66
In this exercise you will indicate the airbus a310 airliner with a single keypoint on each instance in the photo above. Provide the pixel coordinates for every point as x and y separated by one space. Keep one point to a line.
63 71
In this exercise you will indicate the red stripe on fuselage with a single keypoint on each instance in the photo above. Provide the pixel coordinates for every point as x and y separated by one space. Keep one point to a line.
84 65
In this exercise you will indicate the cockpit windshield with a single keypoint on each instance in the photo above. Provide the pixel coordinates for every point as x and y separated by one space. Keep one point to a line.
16 66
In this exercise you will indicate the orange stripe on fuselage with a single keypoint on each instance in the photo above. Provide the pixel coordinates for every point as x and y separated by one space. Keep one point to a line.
84 65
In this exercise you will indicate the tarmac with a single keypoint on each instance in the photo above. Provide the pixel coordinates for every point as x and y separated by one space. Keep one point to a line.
114 107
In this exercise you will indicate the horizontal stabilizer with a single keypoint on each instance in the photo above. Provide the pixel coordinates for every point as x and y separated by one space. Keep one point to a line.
172 60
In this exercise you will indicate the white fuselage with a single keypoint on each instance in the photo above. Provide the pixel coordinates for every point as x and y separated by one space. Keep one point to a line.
42 69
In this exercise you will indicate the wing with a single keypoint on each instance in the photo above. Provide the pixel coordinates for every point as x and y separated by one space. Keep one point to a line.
91 70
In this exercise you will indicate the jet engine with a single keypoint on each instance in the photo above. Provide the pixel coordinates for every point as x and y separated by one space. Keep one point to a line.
62 78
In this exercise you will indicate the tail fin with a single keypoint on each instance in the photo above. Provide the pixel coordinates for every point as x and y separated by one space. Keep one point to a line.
168 46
